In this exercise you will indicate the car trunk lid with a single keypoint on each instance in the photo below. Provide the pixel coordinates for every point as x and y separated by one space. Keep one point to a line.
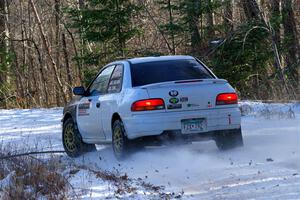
188 94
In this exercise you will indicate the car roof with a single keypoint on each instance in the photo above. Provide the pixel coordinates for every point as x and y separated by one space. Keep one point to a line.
157 58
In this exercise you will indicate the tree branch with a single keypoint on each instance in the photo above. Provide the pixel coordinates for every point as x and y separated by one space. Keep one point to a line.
29 153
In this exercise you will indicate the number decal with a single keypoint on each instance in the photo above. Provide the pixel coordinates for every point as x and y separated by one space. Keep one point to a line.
83 109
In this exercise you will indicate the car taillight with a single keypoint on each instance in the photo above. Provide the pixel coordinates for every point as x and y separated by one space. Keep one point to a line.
148 104
227 98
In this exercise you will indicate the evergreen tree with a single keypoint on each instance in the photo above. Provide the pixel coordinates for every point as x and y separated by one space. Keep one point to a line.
105 26
172 26
243 58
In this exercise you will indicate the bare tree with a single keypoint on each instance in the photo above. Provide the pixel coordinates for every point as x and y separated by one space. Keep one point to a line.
67 64
48 51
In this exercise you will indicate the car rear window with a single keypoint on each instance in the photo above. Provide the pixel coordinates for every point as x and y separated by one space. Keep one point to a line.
162 71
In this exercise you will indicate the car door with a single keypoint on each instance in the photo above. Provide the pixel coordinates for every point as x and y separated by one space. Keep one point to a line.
109 102
89 108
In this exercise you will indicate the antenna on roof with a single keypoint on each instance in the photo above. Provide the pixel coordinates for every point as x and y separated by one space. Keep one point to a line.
216 42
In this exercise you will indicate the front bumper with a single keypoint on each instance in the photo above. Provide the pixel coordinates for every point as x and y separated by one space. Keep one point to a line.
151 124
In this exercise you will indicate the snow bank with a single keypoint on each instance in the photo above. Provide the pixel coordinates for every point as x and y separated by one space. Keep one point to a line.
269 110
267 167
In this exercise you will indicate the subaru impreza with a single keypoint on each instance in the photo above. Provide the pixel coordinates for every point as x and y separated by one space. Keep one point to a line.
171 98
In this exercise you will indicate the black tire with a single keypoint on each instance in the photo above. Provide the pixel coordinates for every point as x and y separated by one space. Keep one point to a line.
120 143
72 142
229 139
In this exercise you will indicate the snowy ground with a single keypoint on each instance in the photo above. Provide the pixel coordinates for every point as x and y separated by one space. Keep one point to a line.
267 167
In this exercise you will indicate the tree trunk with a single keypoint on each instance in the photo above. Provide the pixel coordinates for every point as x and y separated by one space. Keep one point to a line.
36 89
82 43
120 38
291 42
57 45
66 56
43 76
81 4
228 16
24 56
171 22
48 51
19 93
3 52
193 14
210 21
159 29
275 14
251 9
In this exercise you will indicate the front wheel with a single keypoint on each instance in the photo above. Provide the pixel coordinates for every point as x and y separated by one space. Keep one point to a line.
72 142
229 139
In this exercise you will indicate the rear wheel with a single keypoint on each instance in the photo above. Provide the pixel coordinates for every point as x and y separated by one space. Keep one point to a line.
120 143
72 142
229 139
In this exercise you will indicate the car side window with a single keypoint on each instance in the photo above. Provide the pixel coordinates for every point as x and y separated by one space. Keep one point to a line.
99 86
115 83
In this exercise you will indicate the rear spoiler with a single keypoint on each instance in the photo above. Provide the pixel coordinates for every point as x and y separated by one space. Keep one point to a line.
214 81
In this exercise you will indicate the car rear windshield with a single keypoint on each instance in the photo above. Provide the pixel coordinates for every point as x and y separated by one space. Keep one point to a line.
163 71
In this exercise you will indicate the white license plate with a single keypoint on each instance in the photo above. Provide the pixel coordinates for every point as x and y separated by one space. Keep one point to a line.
193 125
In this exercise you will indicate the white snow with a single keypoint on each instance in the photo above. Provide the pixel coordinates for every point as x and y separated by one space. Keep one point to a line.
267 167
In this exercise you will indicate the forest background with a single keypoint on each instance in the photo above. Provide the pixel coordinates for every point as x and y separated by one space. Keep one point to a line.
49 46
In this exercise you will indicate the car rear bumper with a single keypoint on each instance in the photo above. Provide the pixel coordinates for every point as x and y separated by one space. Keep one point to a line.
176 138
151 124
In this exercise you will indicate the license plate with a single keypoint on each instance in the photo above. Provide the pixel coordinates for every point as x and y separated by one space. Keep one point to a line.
193 125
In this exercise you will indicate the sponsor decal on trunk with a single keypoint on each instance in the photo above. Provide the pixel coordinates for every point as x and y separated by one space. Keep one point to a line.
184 99
174 100
192 105
174 106
173 93
209 104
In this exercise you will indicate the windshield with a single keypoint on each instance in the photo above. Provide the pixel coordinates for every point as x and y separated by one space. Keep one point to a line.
172 70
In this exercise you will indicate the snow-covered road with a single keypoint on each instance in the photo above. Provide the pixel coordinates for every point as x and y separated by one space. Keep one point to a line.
267 167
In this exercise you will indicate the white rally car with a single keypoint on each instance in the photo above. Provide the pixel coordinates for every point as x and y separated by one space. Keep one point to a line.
166 98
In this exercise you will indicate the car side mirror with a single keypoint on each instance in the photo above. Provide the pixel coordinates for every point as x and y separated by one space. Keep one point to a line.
80 91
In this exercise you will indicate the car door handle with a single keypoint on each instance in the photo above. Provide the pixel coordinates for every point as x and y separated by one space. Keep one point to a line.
98 104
